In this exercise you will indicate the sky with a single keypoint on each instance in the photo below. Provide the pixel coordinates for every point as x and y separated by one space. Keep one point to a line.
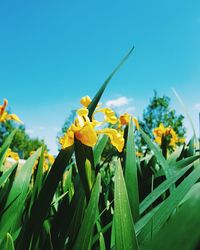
54 52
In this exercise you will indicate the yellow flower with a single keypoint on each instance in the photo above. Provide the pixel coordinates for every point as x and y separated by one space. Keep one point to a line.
85 101
4 114
109 115
84 130
116 138
12 154
162 132
125 119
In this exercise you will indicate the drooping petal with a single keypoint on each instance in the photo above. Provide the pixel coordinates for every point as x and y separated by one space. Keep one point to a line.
14 118
116 138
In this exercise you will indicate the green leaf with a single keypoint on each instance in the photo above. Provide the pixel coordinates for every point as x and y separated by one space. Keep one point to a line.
131 178
98 149
124 227
187 161
156 193
160 158
168 206
7 243
85 166
186 112
84 237
20 187
181 232
102 242
5 147
43 202
38 179
68 219
97 97
7 173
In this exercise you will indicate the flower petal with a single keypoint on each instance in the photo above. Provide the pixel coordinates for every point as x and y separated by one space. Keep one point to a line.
116 138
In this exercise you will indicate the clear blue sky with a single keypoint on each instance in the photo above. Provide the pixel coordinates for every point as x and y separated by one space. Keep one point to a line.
54 52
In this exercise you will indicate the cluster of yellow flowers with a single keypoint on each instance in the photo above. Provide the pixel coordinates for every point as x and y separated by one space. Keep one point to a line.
12 154
85 130
164 132
4 114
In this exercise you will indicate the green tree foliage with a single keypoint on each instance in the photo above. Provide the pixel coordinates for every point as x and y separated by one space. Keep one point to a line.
159 111
22 143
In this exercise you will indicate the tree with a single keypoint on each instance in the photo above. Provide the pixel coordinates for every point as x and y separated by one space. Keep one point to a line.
21 143
159 111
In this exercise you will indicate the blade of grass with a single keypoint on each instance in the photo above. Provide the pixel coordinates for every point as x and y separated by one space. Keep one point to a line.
97 97
20 186
5 147
148 201
177 233
169 205
185 111
98 149
84 237
125 236
158 154
7 243
43 202
6 174
131 178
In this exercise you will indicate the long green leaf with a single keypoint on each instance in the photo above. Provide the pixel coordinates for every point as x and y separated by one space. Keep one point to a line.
158 154
43 202
84 237
5 147
168 206
6 174
124 227
161 189
97 97
98 149
7 243
182 230
131 178
20 187
186 112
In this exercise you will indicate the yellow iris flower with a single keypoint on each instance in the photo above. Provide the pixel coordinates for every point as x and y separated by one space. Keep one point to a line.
4 114
85 130
163 131
125 119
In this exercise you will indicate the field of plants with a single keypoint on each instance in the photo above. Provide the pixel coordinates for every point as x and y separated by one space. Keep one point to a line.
90 198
